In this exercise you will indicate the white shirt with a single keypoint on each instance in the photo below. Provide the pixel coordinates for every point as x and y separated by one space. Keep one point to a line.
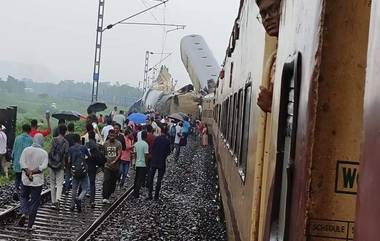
139 138
105 131
178 132
3 142
34 158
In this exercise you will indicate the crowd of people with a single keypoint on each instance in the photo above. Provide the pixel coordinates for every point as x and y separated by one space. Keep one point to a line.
111 144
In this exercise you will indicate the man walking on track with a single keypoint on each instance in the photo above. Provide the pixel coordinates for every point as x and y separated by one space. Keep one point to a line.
177 140
78 155
142 152
57 160
34 161
113 150
160 151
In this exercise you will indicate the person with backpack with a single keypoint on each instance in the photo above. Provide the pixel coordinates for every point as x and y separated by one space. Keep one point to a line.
96 158
77 160
112 149
70 138
57 158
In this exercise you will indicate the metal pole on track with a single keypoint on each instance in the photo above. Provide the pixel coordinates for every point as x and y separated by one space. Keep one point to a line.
98 50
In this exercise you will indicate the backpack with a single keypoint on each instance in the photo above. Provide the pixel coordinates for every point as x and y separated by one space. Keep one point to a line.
57 153
97 157
78 164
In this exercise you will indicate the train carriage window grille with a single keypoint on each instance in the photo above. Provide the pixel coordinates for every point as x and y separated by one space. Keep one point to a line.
286 144
239 124
221 123
231 73
230 120
227 120
235 120
245 135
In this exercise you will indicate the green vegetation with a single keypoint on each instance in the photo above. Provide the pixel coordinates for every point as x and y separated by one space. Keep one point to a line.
34 99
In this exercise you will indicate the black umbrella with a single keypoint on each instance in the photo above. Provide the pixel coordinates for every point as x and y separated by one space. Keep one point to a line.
67 115
96 107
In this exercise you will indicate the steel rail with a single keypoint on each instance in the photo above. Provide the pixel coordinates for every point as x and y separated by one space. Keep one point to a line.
103 217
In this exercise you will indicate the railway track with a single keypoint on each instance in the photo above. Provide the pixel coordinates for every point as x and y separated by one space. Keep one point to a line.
63 224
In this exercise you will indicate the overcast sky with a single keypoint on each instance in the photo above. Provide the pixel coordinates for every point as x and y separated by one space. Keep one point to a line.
58 37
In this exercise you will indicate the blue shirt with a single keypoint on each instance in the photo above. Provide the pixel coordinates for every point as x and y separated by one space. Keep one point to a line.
186 127
21 142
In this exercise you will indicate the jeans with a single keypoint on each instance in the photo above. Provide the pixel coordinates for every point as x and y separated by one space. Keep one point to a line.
139 179
152 173
56 184
177 148
109 182
92 176
124 168
88 190
30 201
67 184
78 182
18 182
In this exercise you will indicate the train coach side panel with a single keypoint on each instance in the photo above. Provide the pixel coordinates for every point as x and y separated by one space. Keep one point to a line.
332 39
336 152
300 31
241 189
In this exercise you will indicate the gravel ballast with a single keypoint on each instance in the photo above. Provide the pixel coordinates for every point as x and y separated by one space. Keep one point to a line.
190 208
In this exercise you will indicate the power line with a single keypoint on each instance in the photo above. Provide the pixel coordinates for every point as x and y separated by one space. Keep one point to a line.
134 15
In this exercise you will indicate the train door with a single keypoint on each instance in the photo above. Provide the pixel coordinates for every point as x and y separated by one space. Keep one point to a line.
286 143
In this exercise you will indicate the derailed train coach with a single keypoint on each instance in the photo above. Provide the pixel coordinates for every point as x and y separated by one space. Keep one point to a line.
183 100
293 174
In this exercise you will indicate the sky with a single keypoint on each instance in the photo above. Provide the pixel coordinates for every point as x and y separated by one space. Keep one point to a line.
51 40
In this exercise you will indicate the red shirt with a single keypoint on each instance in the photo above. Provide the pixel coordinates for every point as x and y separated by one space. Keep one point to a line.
33 132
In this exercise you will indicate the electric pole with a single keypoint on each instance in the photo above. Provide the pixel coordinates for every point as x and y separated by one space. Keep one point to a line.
98 50
146 70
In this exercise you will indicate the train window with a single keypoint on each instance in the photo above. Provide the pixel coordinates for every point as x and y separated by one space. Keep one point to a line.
231 72
239 126
230 120
221 123
235 120
225 120
245 136
286 144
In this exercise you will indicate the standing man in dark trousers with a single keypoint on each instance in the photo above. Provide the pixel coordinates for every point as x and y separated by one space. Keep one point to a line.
112 148
160 151
34 160
96 157
142 152
78 155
